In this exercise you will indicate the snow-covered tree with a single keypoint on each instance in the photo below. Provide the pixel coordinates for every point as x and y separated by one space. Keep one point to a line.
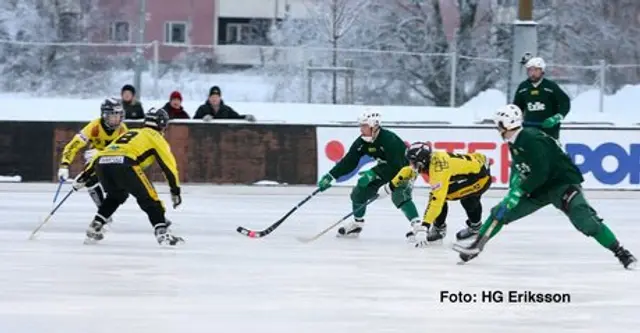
420 28
329 27
587 31
404 51
28 63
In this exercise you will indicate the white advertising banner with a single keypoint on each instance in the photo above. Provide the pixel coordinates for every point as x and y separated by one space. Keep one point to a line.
608 158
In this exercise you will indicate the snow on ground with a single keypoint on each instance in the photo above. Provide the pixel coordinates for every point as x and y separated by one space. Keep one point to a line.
247 94
220 281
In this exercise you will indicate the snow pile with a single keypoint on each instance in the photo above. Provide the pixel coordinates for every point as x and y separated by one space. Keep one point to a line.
10 179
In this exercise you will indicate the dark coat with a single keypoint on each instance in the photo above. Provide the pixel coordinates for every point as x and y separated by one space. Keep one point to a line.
224 112
176 113
133 110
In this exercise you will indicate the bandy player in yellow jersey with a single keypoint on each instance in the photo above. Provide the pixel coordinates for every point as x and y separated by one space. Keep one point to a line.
120 169
453 177
98 134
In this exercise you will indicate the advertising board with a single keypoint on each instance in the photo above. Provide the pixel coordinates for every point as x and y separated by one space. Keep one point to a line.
608 158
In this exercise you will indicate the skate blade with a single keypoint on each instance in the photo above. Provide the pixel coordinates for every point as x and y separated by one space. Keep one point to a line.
348 236
90 241
465 250
632 266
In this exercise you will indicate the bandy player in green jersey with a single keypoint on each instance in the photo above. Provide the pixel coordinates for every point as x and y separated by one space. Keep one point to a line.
543 102
544 175
389 151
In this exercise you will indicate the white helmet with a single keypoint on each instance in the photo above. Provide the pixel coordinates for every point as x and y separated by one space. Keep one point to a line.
536 62
508 117
370 117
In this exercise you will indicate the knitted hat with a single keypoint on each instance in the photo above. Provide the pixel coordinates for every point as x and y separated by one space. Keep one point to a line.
215 90
128 87
175 95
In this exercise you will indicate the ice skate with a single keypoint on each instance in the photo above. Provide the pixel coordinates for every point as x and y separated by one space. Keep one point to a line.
165 237
418 234
467 253
351 229
626 258
95 232
437 233
471 230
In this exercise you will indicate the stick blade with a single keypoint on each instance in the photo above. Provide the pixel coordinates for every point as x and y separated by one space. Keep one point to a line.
249 233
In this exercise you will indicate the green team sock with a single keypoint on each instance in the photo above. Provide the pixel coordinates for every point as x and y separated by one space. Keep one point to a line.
485 227
409 210
606 238
358 210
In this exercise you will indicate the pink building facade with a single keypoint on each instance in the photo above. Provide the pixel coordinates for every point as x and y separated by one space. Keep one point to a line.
174 24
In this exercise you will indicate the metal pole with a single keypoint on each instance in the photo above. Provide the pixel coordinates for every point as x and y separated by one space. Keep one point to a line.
142 19
452 92
454 69
156 68
525 40
309 83
603 82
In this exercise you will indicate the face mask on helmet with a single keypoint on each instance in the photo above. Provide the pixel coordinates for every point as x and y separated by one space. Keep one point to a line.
113 118
419 156
369 125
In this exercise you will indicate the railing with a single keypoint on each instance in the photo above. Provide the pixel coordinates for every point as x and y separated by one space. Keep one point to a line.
294 74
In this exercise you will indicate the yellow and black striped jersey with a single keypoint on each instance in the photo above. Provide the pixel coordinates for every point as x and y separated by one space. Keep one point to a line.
143 146
93 134
451 176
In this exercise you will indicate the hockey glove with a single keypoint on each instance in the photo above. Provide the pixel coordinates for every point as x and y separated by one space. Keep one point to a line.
513 198
385 191
176 199
63 173
366 177
325 182
552 121
79 182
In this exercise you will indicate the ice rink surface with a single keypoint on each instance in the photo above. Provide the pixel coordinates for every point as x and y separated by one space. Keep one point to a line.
220 281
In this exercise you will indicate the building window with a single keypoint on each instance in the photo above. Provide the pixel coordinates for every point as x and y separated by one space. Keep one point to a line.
238 33
175 32
120 32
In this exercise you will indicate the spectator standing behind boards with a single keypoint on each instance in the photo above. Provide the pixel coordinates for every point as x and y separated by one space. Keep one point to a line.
174 107
132 108
214 108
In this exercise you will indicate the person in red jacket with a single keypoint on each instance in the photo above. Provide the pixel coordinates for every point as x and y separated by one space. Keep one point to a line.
174 107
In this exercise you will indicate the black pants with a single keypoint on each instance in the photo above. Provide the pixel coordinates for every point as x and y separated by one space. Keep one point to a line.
471 204
120 180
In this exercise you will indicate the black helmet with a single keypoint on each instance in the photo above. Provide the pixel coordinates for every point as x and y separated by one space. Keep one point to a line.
156 119
110 107
419 154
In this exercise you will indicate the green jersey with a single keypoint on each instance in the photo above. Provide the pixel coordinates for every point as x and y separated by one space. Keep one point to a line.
540 101
541 162
388 149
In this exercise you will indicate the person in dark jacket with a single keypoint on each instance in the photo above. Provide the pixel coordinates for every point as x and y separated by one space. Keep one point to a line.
174 107
214 108
132 107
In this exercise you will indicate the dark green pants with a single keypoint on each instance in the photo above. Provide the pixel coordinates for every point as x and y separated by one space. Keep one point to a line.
401 198
571 201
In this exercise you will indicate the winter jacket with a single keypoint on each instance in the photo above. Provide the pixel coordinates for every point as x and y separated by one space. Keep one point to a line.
224 112
133 110
176 113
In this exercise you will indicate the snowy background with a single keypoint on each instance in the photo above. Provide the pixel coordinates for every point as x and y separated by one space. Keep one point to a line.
401 52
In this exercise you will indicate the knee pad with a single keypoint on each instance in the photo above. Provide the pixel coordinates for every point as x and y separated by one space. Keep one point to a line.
96 194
